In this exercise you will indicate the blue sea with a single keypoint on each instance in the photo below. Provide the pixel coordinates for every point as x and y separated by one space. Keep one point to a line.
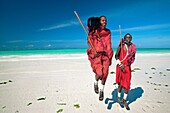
75 51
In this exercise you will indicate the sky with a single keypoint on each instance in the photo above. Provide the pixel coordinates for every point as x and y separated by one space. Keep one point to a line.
51 24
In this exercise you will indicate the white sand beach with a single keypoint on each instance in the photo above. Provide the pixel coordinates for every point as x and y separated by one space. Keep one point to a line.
64 83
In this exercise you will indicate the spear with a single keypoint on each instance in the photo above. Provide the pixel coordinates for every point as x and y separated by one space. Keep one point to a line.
120 35
122 45
80 22
91 45
120 39
121 51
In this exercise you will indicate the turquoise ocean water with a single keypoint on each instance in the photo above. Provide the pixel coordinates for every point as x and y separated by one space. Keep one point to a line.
75 51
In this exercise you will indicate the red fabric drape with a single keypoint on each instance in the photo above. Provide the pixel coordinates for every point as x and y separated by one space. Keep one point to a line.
101 40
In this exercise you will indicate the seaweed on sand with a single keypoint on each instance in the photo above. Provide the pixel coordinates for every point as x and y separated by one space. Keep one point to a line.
61 103
42 98
132 70
59 111
114 83
29 104
153 68
167 69
76 105
136 68
112 72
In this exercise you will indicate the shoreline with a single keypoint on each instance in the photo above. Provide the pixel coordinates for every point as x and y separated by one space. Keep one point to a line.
76 51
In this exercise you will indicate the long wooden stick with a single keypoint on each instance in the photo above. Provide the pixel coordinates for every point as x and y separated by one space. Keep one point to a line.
120 34
81 22
85 32
122 45
121 52
120 40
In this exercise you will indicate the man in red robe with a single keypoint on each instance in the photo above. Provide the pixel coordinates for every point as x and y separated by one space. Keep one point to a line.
100 54
125 56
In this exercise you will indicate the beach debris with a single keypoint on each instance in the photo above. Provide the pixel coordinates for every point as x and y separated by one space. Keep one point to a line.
166 85
136 68
150 77
112 72
146 73
17 111
164 75
29 104
158 84
156 89
59 111
132 70
3 107
167 69
3 83
160 73
147 81
76 105
153 68
154 83
160 102
10 81
114 83
42 98
61 103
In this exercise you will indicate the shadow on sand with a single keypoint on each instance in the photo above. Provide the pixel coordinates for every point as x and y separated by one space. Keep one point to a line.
133 95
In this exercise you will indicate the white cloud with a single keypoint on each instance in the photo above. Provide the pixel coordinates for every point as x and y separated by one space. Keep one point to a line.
39 41
60 26
14 41
30 45
49 45
148 27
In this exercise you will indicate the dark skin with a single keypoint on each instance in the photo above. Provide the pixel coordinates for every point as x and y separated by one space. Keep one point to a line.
103 22
128 40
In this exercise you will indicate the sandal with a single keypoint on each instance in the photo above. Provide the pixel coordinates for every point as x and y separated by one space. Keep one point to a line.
119 101
126 104
101 95
96 89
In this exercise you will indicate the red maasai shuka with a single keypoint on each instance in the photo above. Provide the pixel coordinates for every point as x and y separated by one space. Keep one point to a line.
101 40
124 77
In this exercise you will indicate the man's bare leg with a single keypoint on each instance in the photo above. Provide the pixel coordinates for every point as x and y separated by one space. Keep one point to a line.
119 94
96 88
125 100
